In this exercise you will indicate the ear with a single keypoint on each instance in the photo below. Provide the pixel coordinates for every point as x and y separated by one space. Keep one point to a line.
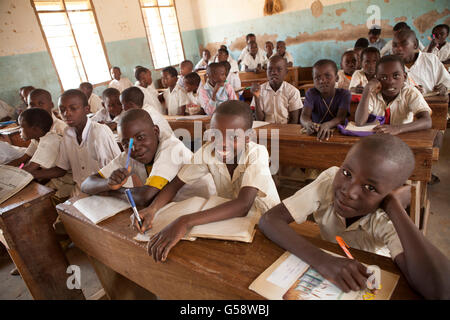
156 130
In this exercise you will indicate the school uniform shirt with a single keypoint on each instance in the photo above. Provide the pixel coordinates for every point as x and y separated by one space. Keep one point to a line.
151 98
387 49
158 119
243 53
252 171
174 99
428 71
97 148
122 84
95 103
402 109
252 63
234 80
443 54
58 128
324 110
180 82
8 152
6 110
287 56
202 64
379 44
373 232
205 92
104 116
358 79
276 105
343 81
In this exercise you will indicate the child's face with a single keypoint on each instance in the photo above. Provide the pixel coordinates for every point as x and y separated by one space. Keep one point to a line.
218 76
72 110
190 87
232 140
404 47
369 63
27 132
145 78
222 56
358 52
281 48
145 139
253 48
440 34
392 78
349 63
115 73
39 101
86 91
251 38
206 55
269 47
373 37
360 186
167 80
113 105
276 71
325 78
185 69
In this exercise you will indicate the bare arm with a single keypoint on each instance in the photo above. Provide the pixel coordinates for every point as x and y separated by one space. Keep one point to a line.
306 121
362 111
50 173
17 162
294 116
422 122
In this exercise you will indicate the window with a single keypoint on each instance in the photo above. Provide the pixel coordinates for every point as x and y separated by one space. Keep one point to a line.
161 24
74 42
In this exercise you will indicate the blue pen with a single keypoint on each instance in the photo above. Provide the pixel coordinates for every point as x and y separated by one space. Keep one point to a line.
130 146
133 206
7 122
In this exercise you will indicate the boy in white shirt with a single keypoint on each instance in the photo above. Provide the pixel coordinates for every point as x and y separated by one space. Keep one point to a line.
232 69
192 82
185 67
439 46
425 70
248 38
388 95
276 101
281 51
151 95
118 82
387 49
94 101
240 170
203 63
112 108
254 60
269 52
86 146
175 98
369 59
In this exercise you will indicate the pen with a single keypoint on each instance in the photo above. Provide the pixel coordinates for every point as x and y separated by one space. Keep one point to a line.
133 206
7 122
130 146
344 246
21 165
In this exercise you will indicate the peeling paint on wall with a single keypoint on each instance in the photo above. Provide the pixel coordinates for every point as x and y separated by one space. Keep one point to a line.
317 8
427 20
403 18
340 11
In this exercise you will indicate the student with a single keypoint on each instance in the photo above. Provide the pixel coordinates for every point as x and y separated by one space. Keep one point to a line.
276 101
175 98
439 46
240 170
35 124
192 82
6 111
248 38
203 63
387 49
363 202
254 60
185 67
369 58
23 93
325 106
215 90
425 72
118 82
145 83
349 62
374 38
154 161
86 146
133 98
231 68
112 108
387 95
95 103
281 51
269 51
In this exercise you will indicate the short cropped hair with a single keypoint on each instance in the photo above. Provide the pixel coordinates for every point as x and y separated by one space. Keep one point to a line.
36 117
249 35
361 43
236 108
213 66
375 31
138 71
223 51
400 26
133 115
370 50
133 94
192 78
77 93
323 62
171 70
41 92
86 85
226 64
445 26
391 58
109 92
186 62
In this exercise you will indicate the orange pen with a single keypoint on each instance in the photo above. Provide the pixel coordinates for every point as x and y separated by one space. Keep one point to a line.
344 246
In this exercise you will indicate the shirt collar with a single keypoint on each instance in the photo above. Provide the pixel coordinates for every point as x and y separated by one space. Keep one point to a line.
72 133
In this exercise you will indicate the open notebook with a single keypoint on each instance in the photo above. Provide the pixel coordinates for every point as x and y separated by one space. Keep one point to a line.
12 180
238 229
99 208
290 278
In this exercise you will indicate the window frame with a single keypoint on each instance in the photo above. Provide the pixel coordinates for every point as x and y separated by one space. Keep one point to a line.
102 41
147 35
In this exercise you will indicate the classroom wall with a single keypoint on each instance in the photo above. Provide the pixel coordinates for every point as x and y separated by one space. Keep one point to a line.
310 28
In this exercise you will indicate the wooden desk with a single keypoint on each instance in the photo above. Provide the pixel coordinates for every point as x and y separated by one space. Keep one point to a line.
304 75
13 137
26 220
188 124
202 269
248 78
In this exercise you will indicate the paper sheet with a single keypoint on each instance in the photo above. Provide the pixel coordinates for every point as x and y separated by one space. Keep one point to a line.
194 117
367 127
257 124
12 180
99 208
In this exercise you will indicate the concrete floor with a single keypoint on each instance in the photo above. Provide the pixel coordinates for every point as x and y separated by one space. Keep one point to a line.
13 287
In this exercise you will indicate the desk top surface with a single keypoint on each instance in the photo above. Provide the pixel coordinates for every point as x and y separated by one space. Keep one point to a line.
31 192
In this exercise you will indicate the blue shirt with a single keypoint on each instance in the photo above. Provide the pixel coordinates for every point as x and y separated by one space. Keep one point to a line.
320 112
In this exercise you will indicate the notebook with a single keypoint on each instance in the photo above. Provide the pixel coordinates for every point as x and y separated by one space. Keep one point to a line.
237 229
290 278
12 180
99 208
